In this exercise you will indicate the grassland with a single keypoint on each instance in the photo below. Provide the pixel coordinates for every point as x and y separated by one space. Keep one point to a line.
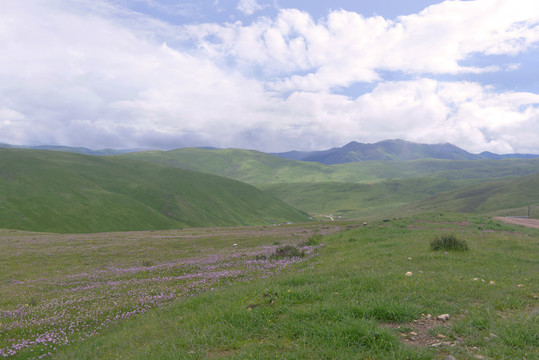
371 188
493 197
192 294
258 168
352 201
66 192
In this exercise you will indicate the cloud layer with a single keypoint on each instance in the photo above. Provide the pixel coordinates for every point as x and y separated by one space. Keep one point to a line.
91 73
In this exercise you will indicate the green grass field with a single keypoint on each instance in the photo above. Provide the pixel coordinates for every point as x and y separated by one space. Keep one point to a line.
370 188
353 201
258 168
361 292
487 197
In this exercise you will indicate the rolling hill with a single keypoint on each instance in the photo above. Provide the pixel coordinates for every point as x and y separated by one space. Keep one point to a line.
248 166
350 190
497 197
258 168
67 192
77 150
350 201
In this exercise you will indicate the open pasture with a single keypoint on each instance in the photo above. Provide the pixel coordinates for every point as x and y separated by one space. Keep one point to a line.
57 289
362 292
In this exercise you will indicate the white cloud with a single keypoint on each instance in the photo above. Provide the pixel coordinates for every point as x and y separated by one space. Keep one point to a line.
347 47
91 74
465 114
249 7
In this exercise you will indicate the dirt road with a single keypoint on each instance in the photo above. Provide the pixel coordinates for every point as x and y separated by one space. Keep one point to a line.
531 223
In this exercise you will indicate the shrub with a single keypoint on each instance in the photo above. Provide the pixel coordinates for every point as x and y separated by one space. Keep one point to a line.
287 251
147 263
448 243
313 240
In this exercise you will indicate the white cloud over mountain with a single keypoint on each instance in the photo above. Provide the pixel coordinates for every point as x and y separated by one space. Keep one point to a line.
98 75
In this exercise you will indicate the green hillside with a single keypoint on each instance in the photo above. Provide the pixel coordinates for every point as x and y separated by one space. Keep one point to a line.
352 190
349 201
487 197
248 166
66 192
258 168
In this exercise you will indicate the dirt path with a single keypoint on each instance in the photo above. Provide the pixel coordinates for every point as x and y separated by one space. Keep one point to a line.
531 223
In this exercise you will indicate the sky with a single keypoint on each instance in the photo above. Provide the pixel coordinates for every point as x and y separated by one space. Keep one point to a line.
270 75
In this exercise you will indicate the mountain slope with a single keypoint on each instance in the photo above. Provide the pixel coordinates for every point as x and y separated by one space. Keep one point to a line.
350 190
66 192
249 166
486 197
77 150
259 168
349 201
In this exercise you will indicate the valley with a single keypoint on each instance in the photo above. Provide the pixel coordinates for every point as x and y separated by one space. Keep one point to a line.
368 189
234 254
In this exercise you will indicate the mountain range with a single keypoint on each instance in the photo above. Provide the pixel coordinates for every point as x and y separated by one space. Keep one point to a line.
387 150
392 150
76 150
65 191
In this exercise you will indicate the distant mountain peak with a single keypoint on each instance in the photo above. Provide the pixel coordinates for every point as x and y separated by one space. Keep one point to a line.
392 150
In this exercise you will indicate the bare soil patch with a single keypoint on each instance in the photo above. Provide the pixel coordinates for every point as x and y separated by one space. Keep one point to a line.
531 223
422 332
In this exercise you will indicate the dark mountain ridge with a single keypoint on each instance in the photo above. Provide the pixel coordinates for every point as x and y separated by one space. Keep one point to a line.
386 150
393 150
71 149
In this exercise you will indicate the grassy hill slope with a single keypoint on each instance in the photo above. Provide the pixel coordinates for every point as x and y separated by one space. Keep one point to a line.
487 197
351 201
249 166
65 192
349 190
258 168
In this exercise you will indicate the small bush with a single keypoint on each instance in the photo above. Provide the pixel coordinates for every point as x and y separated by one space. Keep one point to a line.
313 240
287 251
147 263
448 243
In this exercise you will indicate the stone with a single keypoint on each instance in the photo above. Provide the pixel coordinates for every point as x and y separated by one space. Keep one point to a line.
449 357
443 317
441 336
492 282
409 273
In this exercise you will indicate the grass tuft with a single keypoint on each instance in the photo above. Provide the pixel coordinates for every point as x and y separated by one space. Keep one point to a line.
448 242
287 251
313 240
